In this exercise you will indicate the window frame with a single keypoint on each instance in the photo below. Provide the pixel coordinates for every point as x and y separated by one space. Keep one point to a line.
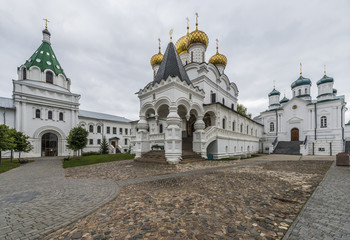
272 127
37 111
49 77
323 120
50 115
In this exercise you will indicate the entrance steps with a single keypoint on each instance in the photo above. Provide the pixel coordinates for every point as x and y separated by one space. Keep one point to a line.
158 156
288 147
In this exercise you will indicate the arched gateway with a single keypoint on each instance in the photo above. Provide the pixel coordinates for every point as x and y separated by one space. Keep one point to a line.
49 144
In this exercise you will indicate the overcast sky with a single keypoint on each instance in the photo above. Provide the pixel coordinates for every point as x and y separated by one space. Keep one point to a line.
105 47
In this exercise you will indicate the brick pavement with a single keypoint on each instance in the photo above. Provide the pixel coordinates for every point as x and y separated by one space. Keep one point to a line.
36 199
327 213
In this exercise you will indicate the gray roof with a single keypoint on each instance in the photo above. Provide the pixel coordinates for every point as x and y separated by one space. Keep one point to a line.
102 116
6 102
171 65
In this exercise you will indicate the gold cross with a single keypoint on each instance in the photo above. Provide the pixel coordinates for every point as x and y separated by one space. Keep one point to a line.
325 69
217 46
188 27
159 44
171 35
301 68
46 21
196 21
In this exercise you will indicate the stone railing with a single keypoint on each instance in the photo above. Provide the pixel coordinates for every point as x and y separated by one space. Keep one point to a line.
212 132
155 137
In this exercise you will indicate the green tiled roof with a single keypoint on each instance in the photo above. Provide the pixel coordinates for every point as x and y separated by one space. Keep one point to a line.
301 81
274 92
45 58
325 79
284 100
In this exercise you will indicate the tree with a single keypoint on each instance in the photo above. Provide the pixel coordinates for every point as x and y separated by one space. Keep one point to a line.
6 140
104 146
77 139
243 111
21 143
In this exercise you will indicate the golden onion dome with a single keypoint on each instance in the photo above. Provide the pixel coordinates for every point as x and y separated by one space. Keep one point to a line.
218 59
181 44
156 59
197 36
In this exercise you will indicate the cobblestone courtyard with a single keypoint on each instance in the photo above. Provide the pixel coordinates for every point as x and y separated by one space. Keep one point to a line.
250 199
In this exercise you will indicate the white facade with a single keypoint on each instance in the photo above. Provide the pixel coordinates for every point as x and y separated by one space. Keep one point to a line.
319 124
44 108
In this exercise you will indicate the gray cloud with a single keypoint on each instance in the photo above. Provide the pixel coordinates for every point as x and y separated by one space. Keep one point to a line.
105 46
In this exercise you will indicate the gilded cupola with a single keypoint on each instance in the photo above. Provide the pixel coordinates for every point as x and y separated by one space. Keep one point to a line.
218 59
156 59
198 37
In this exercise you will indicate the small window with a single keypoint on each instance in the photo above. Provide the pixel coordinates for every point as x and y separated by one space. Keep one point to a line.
241 128
120 131
223 101
160 128
247 130
191 56
91 128
223 123
233 125
213 97
299 92
114 130
61 116
251 131
232 106
323 122
91 141
98 141
37 113
126 131
293 93
49 77
108 130
272 127
203 59
98 129
24 73
305 90
49 115
125 141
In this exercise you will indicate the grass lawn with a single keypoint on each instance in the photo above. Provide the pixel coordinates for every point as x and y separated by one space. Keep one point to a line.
93 159
6 164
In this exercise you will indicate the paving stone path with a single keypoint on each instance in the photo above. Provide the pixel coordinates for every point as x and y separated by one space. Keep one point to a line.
327 213
36 199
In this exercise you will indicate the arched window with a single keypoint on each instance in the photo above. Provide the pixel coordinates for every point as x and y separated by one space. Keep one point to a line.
125 141
91 128
61 116
251 131
223 123
247 129
299 92
98 129
49 77
233 125
305 90
323 122
223 101
241 128
232 106
49 115
24 73
272 126
160 128
37 113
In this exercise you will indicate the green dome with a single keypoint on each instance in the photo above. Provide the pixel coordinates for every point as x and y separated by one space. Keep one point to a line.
284 100
274 92
301 81
325 79
45 58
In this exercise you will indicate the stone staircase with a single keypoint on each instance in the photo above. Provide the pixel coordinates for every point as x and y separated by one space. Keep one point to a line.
288 148
347 147
153 156
158 156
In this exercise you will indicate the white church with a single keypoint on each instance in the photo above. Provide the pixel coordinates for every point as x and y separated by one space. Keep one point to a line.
188 111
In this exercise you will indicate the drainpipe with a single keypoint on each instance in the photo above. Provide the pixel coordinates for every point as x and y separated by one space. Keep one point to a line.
341 122
4 116
315 120
276 123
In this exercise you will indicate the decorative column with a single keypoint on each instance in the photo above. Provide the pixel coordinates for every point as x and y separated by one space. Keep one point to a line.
199 137
173 137
142 144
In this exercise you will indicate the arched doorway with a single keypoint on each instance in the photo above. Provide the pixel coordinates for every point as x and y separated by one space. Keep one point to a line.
49 144
294 134
190 125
